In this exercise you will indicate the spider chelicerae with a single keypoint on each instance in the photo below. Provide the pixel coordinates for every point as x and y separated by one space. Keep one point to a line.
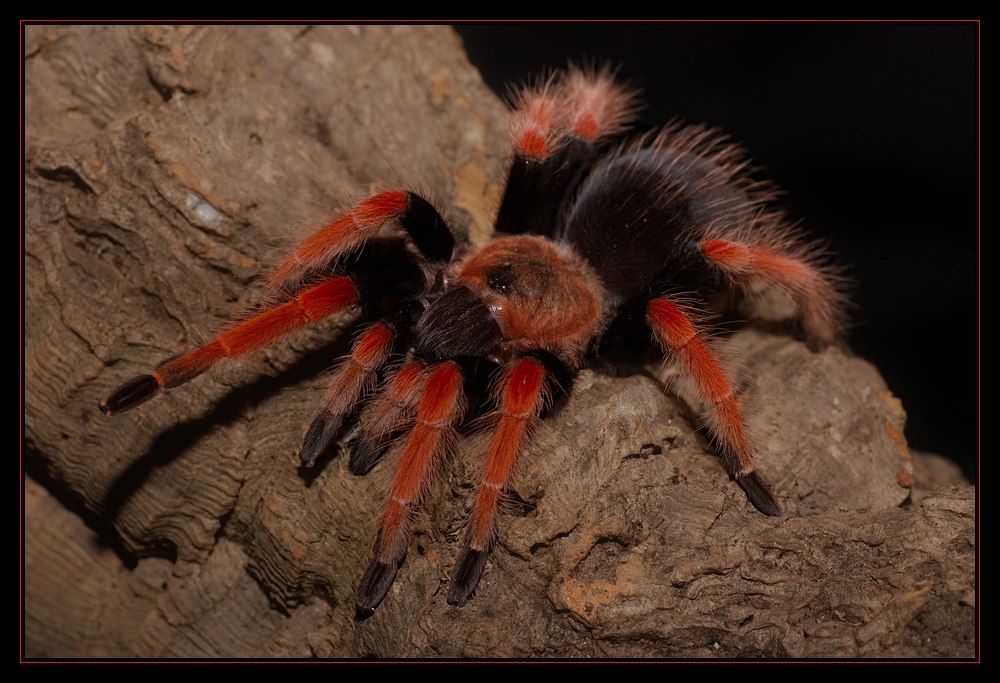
596 249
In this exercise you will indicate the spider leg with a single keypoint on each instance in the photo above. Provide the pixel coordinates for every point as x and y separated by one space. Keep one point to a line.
267 326
385 277
557 127
522 397
355 375
393 410
346 233
678 334
810 284
441 406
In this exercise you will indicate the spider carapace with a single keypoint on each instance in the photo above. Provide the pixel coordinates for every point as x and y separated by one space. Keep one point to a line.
595 246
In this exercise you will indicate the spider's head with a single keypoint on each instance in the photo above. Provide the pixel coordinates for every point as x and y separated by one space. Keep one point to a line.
513 295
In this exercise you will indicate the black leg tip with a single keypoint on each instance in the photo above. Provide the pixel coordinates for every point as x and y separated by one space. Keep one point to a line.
132 393
465 578
373 587
363 613
321 438
366 454
758 494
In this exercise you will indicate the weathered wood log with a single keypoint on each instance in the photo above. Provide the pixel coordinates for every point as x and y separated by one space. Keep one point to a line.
168 168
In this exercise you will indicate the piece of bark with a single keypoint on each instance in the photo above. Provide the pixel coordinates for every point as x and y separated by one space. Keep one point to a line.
168 168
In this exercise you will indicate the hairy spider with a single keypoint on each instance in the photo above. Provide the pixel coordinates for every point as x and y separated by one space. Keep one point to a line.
596 249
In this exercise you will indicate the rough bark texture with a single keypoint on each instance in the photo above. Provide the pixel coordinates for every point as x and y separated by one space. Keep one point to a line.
167 169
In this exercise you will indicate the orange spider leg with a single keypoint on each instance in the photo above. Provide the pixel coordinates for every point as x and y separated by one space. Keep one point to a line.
538 121
391 412
355 376
811 288
344 234
441 405
522 399
597 106
340 236
311 305
677 333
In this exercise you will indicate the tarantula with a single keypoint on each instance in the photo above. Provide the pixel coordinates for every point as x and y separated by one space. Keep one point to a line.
596 249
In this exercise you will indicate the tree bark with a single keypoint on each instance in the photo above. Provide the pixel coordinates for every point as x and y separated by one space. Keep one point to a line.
167 170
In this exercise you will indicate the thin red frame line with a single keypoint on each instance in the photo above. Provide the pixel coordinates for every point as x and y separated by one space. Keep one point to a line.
20 567
976 21
414 22
979 335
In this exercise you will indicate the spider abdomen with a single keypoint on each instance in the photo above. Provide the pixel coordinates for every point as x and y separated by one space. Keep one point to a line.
641 213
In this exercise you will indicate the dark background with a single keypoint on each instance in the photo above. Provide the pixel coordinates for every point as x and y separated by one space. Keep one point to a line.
871 129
